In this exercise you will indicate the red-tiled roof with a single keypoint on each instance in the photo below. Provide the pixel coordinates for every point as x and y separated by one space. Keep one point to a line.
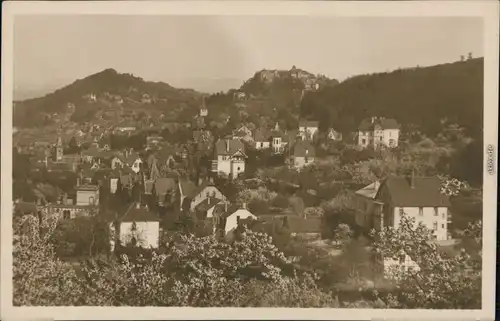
426 192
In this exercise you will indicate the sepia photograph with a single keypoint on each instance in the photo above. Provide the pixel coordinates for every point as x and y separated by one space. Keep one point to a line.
249 155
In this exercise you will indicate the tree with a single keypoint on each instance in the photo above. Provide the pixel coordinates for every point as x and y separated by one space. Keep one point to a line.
39 277
441 281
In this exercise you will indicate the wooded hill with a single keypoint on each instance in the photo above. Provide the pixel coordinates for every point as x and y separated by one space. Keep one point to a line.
130 88
420 98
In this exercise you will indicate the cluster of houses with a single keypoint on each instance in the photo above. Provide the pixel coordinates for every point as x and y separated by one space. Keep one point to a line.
155 188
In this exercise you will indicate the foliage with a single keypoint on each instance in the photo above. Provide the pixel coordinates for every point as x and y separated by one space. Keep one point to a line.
82 236
440 281
39 277
452 91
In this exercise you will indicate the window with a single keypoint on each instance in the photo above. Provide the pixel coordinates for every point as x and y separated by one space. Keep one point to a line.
66 215
444 216
134 227
434 226
442 225
91 200
401 210
380 138
238 219
363 141
436 211
207 194
421 211
238 169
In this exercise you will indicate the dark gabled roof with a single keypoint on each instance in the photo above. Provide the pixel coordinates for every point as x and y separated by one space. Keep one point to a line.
384 123
164 184
134 214
426 192
220 209
189 189
303 148
261 135
207 204
229 147
308 123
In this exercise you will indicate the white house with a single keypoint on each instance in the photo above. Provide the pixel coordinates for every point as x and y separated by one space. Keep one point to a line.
198 194
134 161
262 138
378 133
303 154
308 128
334 135
137 227
229 157
417 197
227 218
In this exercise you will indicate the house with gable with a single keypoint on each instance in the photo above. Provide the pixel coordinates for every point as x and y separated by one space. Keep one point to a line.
229 157
196 195
243 133
137 227
308 128
378 132
332 134
303 154
134 161
226 219
262 138
417 197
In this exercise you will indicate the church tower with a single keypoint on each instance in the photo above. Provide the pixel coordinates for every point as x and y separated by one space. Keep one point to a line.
59 150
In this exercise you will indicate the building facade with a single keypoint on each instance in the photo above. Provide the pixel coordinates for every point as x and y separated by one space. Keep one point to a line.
378 133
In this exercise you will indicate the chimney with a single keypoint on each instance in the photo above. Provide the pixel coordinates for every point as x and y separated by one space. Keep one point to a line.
137 205
244 205
225 206
200 180
376 185
373 119
227 145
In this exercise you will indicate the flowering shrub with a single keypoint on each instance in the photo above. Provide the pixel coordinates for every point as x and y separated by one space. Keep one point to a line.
191 271
440 281
452 186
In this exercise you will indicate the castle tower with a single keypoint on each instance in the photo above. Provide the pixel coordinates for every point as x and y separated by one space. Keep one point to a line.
203 108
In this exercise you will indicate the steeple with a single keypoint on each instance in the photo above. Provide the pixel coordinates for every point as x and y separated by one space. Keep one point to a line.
154 173
59 150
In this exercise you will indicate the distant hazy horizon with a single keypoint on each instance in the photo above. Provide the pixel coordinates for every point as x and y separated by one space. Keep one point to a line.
216 53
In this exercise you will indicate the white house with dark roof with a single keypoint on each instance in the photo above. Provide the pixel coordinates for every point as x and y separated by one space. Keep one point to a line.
378 132
137 227
303 154
229 157
227 218
417 197
308 128
262 138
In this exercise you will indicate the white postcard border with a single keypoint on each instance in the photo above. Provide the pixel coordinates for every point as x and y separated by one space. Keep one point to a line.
488 10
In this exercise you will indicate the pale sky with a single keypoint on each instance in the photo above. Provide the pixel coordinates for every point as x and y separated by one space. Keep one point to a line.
188 50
